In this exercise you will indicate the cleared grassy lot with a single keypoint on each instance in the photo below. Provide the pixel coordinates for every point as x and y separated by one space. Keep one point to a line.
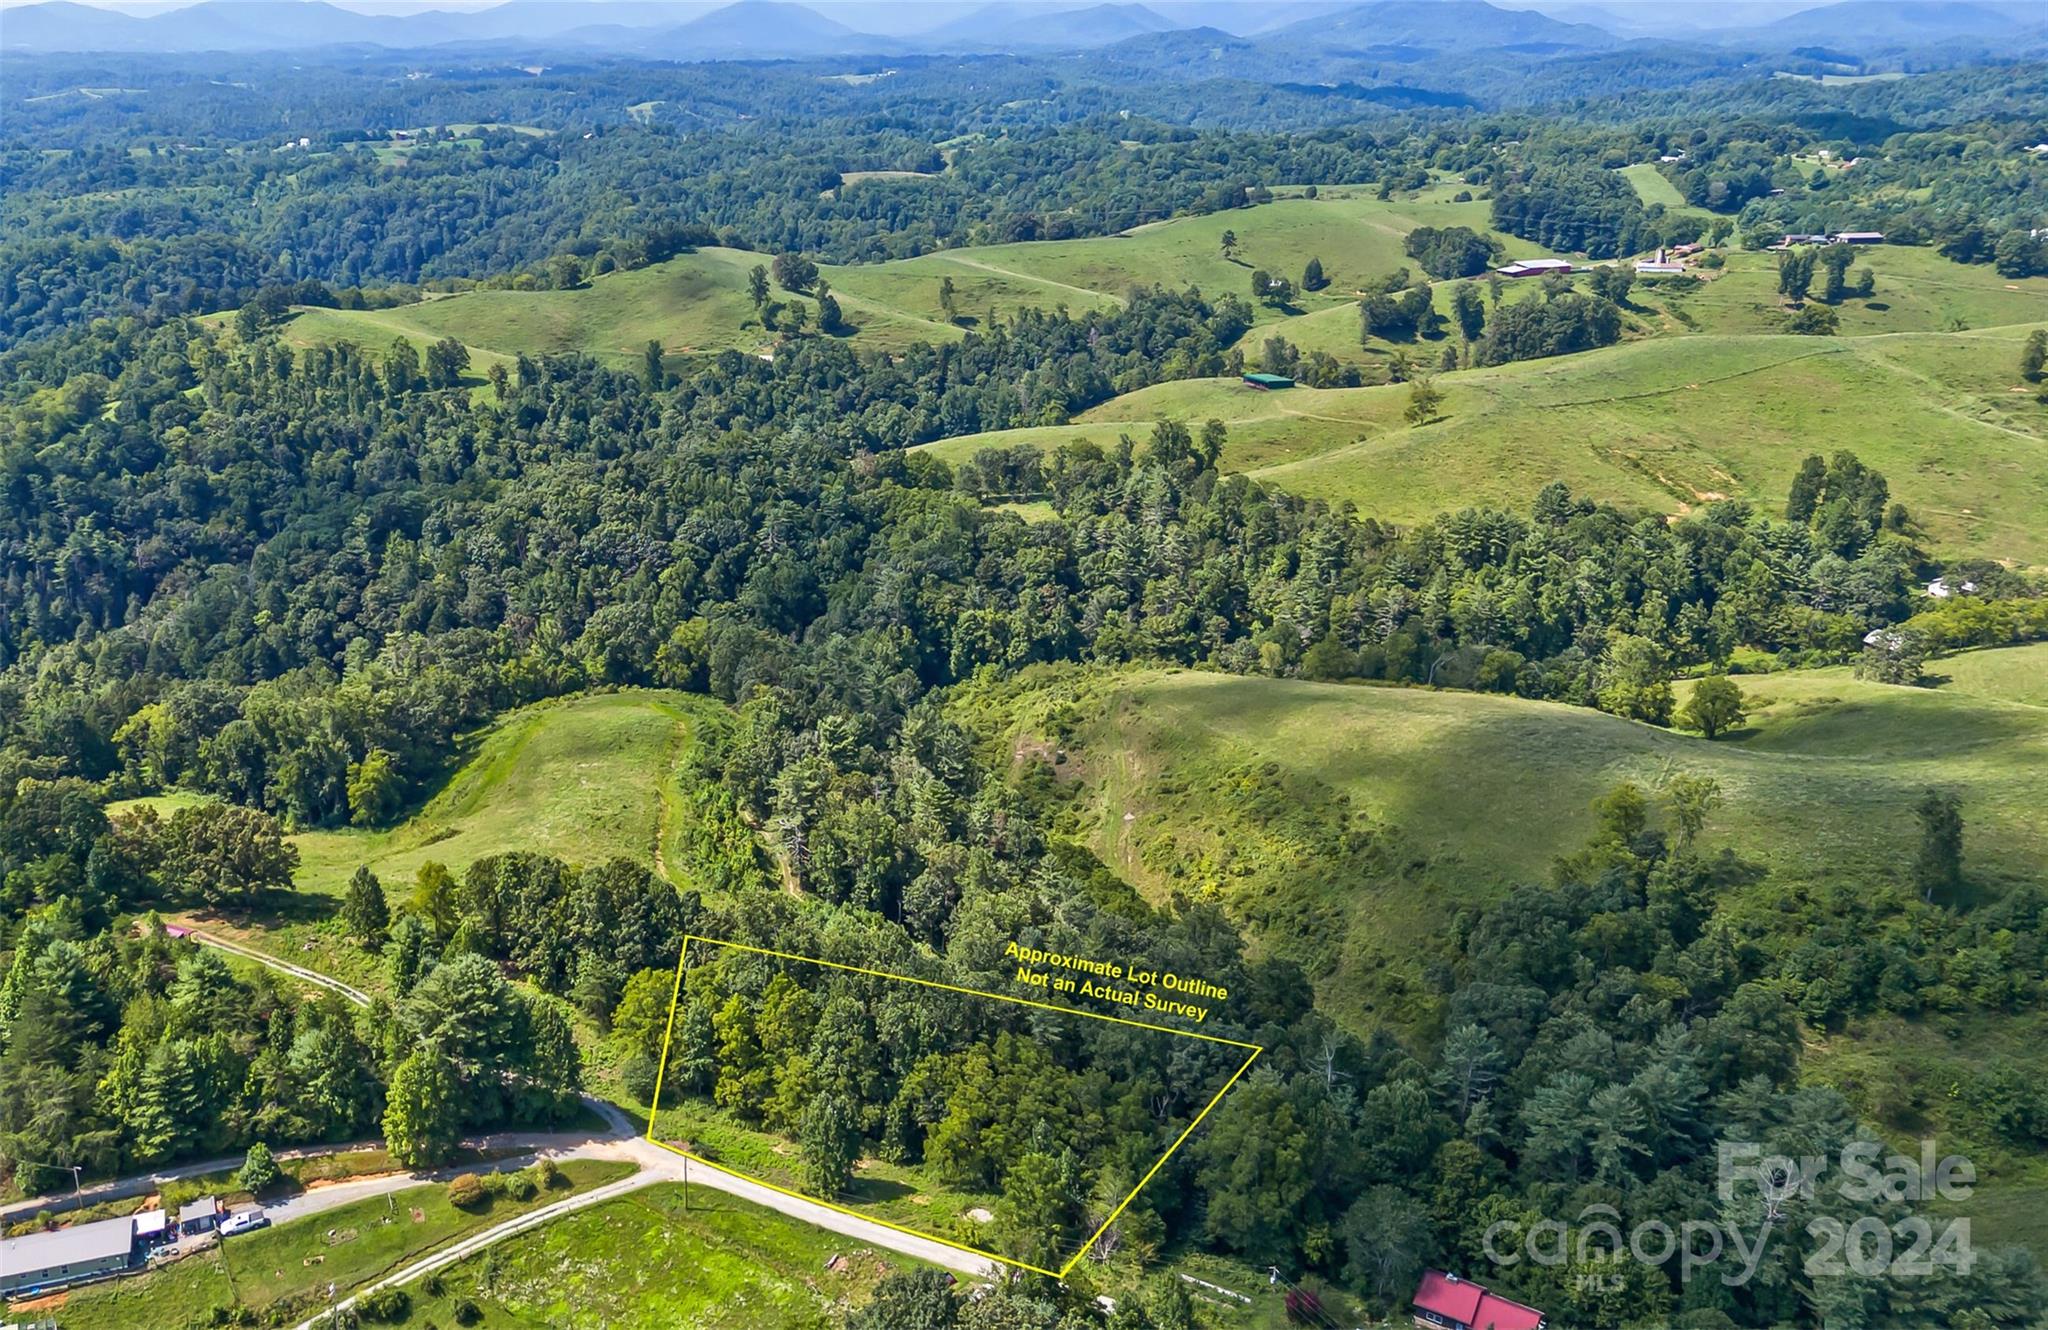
647 1261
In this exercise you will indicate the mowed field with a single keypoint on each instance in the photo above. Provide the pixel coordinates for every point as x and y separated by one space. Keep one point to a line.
1212 784
661 1257
1668 424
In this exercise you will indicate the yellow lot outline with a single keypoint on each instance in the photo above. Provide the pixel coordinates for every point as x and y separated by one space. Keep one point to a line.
675 998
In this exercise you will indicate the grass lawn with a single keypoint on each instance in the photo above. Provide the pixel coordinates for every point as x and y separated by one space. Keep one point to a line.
284 1272
1244 790
644 1262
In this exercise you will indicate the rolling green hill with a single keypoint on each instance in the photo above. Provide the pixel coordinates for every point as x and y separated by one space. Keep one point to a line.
694 303
1668 424
581 779
1917 290
698 302
586 778
1371 816
1368 815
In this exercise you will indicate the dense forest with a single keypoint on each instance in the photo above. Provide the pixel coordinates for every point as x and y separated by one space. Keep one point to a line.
293 579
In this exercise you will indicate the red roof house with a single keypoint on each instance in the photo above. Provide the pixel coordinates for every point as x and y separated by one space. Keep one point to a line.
1446 1302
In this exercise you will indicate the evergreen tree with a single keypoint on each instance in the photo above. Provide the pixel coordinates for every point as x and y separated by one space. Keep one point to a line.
1468 308
1795 274
1804 496
1938 866
259 1169
828 1146
364 911
422 1122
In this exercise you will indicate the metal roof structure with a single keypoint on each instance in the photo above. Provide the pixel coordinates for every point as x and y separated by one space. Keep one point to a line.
78 1245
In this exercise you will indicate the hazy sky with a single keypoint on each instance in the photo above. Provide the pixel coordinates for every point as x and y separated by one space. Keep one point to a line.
1696 13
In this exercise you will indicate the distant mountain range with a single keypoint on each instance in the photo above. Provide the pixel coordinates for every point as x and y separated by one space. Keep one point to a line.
1263 33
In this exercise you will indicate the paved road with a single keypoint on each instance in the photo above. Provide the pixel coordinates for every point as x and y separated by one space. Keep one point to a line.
620 1142
664 1166
864 1231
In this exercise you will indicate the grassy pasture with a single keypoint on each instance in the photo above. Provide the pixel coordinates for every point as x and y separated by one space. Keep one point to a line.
1195 782
1653 186
698 302
1667 423
580 779
1917 290
586 778
2008 674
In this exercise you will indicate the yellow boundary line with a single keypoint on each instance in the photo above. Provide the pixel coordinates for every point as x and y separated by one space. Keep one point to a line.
668 1036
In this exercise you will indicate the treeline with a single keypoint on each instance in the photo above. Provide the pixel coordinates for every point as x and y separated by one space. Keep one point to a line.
51 283
126 1052
568 528
126 1049
1058 1120
502 201
1589 211
1585 1045
373 595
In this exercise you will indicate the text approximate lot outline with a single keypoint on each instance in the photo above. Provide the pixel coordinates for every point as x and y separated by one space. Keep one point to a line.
675 998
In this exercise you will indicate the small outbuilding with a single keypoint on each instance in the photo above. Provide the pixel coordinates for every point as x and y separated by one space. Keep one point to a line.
152 1229
1268 382
201 1216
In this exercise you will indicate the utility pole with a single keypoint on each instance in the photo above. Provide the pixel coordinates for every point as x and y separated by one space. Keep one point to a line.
77 1172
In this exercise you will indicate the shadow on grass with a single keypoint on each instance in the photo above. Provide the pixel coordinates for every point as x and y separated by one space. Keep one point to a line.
273 910
874 1191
